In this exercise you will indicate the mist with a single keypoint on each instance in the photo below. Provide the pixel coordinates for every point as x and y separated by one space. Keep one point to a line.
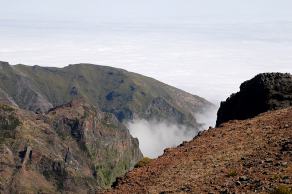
155 136
207 118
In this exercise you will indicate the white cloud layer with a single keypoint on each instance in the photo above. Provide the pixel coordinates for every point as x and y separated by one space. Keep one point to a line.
205 47
209 60
155 136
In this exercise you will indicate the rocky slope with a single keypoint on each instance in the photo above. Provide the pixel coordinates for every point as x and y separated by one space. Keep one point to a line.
250 156
74 148
127 95
267 91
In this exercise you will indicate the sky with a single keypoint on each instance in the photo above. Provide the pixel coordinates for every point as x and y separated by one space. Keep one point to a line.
191 44
183 37
205 47
133 10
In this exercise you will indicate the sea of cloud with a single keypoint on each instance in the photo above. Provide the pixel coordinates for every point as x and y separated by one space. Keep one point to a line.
209 60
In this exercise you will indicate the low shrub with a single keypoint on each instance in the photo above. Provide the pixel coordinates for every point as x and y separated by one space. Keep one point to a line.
143 162
282 190
232 173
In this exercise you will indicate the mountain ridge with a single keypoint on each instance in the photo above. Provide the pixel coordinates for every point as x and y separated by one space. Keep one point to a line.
125 94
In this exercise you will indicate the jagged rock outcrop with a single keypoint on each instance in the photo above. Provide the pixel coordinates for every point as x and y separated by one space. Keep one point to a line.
74 148
248 156
125 94
267 91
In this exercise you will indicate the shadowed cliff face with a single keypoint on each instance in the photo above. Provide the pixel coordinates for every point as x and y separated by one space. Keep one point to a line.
267 91
73 148
127 95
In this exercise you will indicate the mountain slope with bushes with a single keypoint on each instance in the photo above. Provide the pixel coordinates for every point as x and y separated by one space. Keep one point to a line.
125 94
74 148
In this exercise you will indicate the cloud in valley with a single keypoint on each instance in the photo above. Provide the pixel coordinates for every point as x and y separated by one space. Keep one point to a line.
155 136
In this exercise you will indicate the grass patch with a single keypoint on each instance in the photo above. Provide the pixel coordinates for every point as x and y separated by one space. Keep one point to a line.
6 108
143 162
282 190
232 173
8 123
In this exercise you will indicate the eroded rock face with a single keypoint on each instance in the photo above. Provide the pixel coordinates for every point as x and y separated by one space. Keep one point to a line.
267 91
73 148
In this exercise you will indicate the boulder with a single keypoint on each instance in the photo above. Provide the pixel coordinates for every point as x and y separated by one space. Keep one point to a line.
264 92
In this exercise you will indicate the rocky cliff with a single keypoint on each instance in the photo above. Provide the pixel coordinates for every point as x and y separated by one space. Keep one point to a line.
125 94
74 148
267 91
239 156
250 156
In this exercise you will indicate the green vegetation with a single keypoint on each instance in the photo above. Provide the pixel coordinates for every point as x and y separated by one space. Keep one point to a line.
8 119
6 108
232 173
282 190
104 145
275 177
113 90
143 162
111 168
9 122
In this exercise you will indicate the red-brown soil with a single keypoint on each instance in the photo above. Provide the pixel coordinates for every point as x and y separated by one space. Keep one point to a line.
250 156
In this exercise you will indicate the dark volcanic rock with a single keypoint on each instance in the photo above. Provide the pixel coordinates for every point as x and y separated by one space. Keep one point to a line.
267 91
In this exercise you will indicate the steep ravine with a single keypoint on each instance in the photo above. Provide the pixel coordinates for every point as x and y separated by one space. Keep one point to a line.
74 148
